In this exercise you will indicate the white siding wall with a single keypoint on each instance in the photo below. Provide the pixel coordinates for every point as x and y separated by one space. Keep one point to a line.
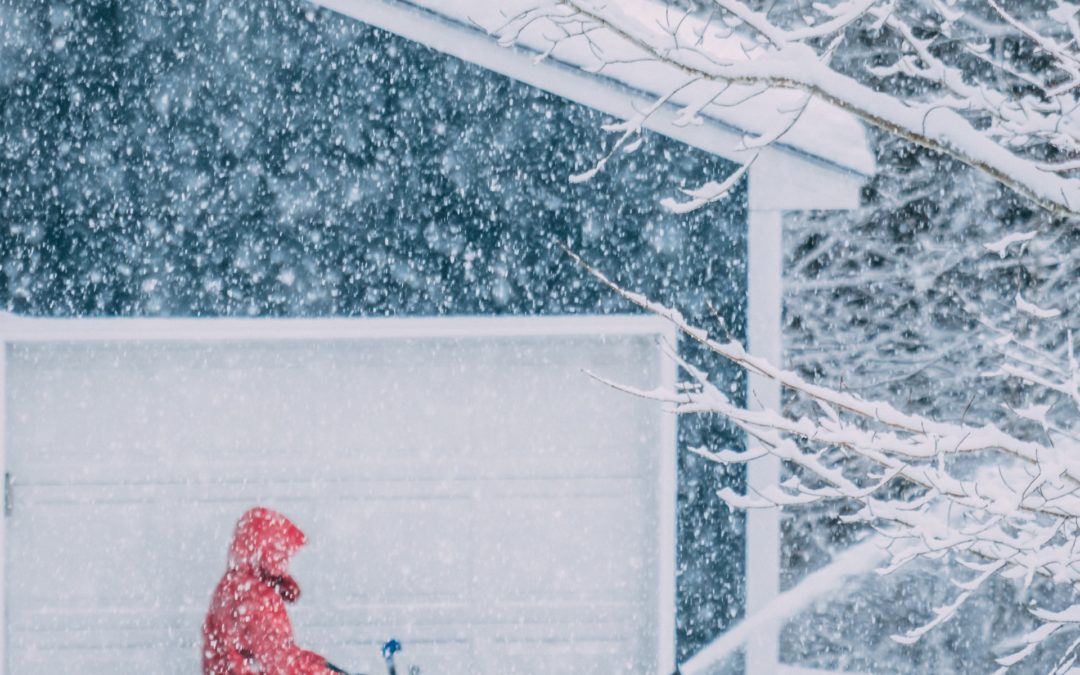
479 498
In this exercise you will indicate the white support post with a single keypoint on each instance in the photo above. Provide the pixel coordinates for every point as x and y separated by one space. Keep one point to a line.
4 665
764 339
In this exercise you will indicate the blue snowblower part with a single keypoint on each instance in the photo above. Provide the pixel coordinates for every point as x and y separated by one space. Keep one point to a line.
389 649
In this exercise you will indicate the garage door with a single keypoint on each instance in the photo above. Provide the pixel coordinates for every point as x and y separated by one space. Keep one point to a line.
464 486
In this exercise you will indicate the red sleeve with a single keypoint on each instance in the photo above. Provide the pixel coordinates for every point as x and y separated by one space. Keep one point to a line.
271 638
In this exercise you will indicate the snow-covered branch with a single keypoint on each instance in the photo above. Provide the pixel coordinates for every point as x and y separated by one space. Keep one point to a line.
996 504
1002 126
992 85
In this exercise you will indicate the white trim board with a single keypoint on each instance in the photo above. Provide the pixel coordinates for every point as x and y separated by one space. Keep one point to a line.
45 331
25 329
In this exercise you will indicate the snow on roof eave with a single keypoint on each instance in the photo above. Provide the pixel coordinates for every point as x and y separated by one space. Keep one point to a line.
824 135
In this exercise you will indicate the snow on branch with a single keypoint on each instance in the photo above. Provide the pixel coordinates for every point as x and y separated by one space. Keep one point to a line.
994 85
996 504
1006 124
708 193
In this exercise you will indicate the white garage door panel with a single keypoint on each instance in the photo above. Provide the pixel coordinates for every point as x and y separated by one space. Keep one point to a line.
564 548
580 657
479 498
204 401
98 660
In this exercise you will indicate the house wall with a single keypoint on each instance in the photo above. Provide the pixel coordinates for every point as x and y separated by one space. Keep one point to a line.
464 488
278 160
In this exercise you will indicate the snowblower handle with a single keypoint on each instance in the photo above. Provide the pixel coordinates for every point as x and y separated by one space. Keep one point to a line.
389 649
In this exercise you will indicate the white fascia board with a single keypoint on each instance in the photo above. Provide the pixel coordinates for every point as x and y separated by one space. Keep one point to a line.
782 182
454 29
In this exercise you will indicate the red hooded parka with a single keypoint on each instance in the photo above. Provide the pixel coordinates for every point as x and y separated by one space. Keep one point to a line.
247 629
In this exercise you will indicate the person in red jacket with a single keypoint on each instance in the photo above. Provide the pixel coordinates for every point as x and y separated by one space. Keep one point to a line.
247 629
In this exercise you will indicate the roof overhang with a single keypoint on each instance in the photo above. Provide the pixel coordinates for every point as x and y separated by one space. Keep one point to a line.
821 162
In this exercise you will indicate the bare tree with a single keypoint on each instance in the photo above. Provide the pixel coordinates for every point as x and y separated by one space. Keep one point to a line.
992 85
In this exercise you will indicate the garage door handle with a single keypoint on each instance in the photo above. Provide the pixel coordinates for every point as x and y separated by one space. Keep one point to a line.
9 493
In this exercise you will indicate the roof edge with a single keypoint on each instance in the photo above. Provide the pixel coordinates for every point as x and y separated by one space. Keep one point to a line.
470 42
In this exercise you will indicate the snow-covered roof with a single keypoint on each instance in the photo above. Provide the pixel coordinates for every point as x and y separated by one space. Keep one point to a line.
465 28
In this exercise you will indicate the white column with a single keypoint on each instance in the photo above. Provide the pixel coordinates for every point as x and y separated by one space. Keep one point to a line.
4 666
764 339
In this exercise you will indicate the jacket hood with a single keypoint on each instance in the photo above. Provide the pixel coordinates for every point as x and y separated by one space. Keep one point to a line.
265 540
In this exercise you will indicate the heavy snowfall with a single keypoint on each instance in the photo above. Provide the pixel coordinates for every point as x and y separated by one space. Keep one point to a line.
528 336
